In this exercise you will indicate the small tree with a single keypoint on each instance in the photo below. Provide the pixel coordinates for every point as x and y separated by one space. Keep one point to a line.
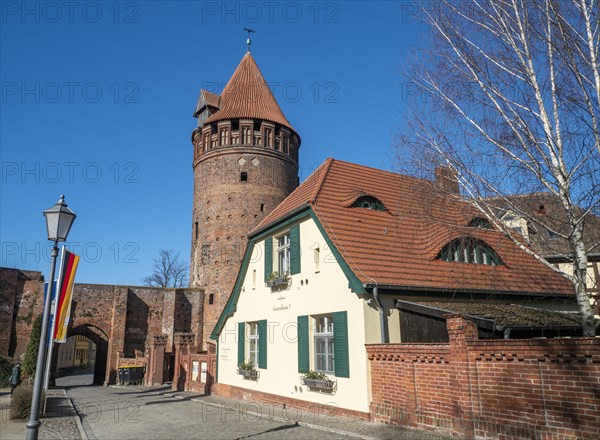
167 271
30 359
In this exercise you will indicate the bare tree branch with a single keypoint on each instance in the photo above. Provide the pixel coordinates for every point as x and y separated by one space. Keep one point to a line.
167 271
515 109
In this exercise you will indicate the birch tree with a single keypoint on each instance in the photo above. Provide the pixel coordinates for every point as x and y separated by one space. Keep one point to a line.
509 98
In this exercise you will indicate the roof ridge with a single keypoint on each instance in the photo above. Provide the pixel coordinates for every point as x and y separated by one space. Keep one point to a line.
328 162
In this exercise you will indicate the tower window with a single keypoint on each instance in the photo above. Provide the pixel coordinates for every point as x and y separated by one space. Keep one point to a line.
247 136
196 230
211 298
286 145
262 207
243 176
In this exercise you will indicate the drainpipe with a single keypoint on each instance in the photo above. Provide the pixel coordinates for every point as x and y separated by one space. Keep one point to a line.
382 320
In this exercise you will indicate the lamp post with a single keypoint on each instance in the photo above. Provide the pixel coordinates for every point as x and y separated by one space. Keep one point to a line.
59 219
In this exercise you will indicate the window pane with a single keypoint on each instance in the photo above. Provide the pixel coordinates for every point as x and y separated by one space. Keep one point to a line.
283 254
324 360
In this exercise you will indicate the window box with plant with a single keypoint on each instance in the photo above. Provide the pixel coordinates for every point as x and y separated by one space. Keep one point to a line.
274 279
316 379
247 370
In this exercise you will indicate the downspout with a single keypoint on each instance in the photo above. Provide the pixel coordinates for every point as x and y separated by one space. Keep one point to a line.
382 326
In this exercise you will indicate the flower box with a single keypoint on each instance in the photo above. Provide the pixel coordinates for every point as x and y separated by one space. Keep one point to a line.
324 384
248 374
277 281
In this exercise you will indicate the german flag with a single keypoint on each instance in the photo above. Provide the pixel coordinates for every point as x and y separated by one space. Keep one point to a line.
66 279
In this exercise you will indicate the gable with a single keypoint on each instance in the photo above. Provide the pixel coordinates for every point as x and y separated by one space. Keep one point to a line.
255 248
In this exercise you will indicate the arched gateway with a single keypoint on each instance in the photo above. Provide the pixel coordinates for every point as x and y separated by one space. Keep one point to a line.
121 320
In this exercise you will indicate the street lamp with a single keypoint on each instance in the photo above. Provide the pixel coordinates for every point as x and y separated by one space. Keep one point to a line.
59 219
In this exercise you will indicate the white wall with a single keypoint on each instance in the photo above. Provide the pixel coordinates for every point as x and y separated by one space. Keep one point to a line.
310 293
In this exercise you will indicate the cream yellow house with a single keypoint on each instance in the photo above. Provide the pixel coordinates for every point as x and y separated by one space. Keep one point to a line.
323 274
540 219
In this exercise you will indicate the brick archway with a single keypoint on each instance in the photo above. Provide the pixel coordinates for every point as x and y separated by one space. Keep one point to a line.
120 320
100 338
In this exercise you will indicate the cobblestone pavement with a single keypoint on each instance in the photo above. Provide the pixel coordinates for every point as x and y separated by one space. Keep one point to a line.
59 423
128 413
158 412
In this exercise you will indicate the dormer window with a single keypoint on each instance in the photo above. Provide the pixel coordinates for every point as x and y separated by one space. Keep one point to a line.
480 222
469 250
369 202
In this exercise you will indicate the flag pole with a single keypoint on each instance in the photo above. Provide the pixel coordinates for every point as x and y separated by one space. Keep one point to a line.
52 327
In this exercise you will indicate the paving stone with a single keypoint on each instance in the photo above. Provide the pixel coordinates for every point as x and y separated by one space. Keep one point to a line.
59 423
158 413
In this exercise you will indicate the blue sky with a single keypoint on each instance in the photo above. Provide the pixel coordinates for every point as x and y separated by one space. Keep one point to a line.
97 101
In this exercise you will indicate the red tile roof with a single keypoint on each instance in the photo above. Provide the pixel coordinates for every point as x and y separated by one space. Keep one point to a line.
247 95
211 99
399 247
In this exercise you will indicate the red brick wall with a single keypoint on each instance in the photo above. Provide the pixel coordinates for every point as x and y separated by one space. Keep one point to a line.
20 303
300 409
504 389
119 319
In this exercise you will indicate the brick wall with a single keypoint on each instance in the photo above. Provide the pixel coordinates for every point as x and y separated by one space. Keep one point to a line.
293 408
118 319
20 303
504 389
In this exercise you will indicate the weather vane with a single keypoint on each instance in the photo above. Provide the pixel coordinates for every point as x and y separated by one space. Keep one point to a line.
249 41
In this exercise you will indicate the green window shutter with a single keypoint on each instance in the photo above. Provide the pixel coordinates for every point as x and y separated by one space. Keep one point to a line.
295 249
268 257
262 344
303 355
340 344
241 342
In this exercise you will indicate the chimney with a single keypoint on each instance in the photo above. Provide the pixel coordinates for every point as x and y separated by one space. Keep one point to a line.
446 180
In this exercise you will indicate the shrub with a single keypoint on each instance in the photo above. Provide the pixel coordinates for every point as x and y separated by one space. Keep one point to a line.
20 404
5 371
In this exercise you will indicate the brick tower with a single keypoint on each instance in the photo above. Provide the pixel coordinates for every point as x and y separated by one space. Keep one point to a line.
245 164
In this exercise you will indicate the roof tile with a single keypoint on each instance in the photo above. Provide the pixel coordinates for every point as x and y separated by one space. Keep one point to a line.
247 95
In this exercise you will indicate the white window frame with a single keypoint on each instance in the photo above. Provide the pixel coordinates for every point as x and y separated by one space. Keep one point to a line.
324 360
283 254
253 342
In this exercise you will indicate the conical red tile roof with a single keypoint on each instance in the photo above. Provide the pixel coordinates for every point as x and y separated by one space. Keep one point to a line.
247 95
